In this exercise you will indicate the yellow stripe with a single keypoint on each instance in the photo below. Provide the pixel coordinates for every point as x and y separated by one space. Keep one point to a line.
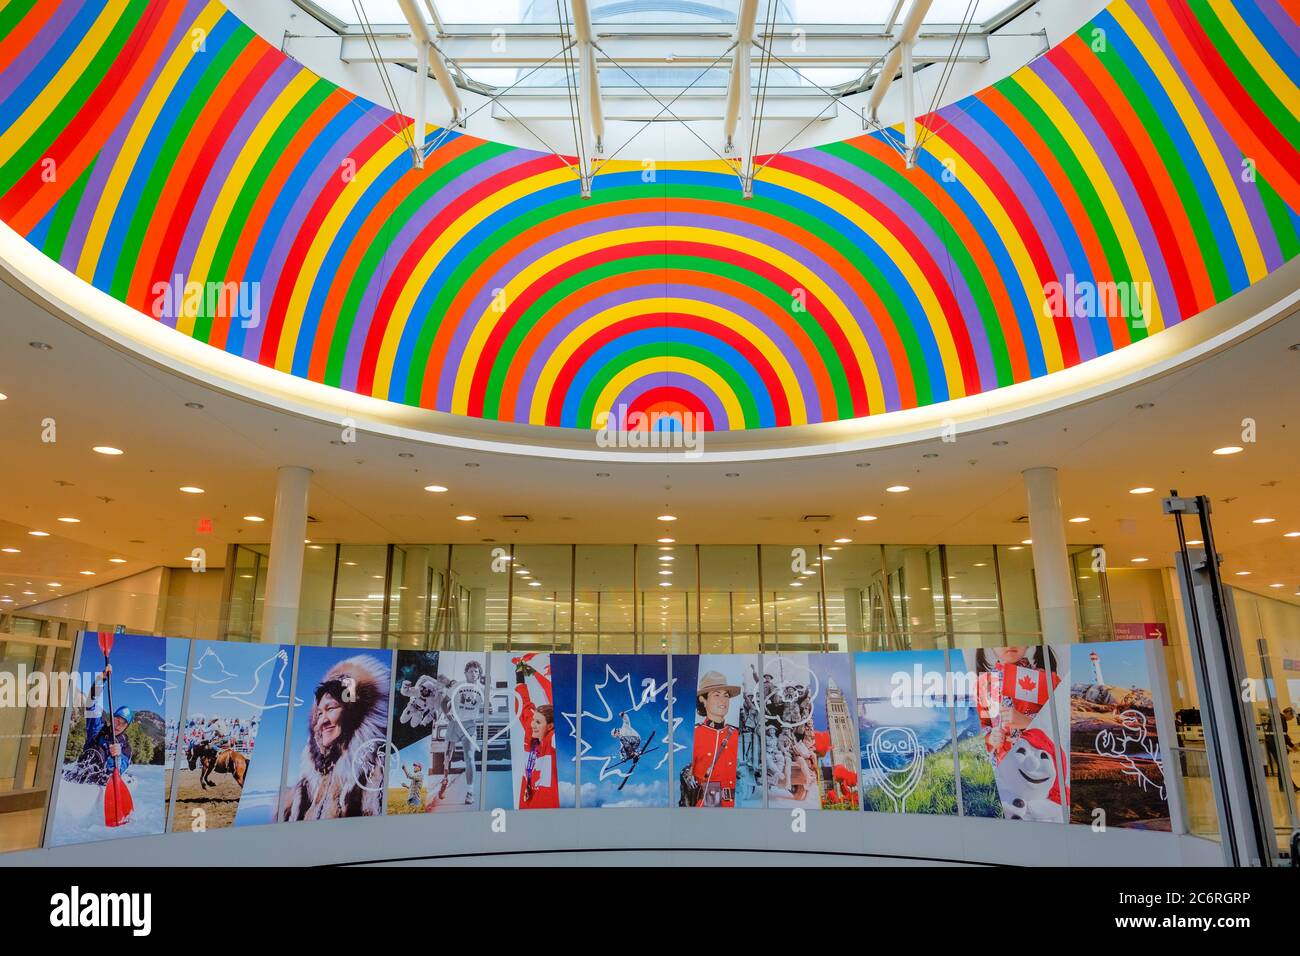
342 207
1282 85
801 274
125 161
658 365
39 110
235 181
1224 183
436 252
1100 181
965 174
897 253
603 320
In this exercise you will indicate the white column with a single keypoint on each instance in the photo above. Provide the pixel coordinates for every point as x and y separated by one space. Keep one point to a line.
284 570
1051 561
920 599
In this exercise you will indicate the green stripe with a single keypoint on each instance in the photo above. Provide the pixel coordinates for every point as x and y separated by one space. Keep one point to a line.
180 136
65 212
1082 184
14 14
1191 200
907 190
654 265
377 254
587 405
1281 217
254 185
62 116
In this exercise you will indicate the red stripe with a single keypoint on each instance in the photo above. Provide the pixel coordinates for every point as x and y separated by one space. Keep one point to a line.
652 399
675 320
1071 64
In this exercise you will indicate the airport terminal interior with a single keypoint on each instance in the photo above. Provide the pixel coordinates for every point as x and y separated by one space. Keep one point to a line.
862 429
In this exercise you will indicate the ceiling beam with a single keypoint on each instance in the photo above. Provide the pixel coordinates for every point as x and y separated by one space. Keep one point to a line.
903 56
472 48
591 112
739 114
426 57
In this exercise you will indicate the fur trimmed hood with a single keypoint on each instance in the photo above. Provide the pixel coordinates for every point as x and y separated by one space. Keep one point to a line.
345 779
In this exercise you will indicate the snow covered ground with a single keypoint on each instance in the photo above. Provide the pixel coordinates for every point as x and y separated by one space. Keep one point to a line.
79 809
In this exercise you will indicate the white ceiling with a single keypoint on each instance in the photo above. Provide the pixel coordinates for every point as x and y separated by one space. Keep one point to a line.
368 492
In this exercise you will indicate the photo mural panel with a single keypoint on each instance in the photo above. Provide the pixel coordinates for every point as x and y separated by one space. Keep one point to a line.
437 731
791 692
1015 697
905 722
338 748
230 756
1116 764
530 765
124 702
623 734
717 730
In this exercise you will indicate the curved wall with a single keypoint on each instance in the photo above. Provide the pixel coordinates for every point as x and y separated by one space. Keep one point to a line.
150 145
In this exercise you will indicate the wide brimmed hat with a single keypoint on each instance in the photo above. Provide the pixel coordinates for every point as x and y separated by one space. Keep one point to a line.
715 681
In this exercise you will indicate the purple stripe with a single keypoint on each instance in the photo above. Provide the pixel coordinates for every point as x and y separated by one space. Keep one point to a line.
112 148
789 246
934 245
31 56
368 120
1231 152
201 216
711 402
398 247
1045 225
656 291
1130 202
1283 24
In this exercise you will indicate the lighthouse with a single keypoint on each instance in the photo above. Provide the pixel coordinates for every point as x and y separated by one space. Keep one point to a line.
1096 668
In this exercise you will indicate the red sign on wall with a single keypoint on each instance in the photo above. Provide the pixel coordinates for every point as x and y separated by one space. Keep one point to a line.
1142 631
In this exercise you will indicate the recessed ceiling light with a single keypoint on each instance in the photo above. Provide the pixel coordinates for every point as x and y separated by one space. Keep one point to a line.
117 560
665 584
316 547
667 540
41 346
1028 541
39 534
306 540
534 584
1139 560
106 450
254 518
191 489
897 489
665 558
843 540
796 584
1195 541
1292 534
1015 547
1256 521
89 574
666 572
981 564
1228 450
1078 520
1277 585
70 520
196 405
55 584
1144 490
350 564
1242 574
3 397
666 518
10 550
866 517
466 517
436 489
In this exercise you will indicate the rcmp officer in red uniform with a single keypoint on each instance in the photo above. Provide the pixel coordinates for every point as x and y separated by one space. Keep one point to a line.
710 781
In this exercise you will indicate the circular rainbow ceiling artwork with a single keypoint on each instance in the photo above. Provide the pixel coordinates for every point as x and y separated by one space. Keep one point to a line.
1140 172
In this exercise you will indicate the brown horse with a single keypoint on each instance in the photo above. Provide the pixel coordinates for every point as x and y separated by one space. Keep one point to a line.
227 760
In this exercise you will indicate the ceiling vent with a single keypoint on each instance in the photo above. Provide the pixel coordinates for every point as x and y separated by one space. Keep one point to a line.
815 518
515 518
1023 519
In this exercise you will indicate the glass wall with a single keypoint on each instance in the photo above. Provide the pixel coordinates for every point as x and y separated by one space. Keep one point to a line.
665 597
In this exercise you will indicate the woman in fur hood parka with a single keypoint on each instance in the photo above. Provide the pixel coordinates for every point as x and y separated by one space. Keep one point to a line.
341 773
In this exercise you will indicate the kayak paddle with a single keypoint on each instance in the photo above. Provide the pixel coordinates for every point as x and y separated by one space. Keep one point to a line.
117 798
